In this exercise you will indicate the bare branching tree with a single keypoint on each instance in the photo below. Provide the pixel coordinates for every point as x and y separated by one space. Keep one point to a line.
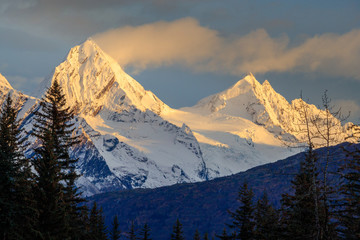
316 129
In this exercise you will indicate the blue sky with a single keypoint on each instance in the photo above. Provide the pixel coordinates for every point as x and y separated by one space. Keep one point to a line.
307 46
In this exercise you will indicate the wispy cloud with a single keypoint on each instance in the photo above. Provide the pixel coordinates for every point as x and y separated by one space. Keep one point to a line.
24 84
151 45
348 106
186 42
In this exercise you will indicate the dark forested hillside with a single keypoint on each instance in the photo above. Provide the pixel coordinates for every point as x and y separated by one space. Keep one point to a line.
204 205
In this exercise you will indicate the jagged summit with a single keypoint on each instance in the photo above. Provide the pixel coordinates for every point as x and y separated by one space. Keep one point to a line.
248 99
261 104
130 138
238 99
246 84
4 82
92 81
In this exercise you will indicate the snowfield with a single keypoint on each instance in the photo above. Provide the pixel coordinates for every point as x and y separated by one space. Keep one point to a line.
131 139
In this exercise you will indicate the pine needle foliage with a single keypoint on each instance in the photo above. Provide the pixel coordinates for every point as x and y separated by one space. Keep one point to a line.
145 232
300 209
349 207
115 231
97 226
17 210
177 233
243 220
58 198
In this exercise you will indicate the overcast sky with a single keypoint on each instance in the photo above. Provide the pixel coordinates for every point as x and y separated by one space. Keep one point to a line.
185 50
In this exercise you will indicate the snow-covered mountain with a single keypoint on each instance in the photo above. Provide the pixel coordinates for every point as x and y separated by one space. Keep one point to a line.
93 81
250 124
131 139
25 103
125 143
262 105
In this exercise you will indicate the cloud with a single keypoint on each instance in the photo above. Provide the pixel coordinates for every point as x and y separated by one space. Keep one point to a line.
17 4
348 106
24 84
161 43
186 42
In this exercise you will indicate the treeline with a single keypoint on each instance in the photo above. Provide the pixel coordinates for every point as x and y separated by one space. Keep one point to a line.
313 209
303 213
39 198
309 211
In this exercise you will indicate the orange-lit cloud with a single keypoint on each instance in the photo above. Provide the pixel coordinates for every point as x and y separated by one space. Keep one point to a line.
151 45
186 42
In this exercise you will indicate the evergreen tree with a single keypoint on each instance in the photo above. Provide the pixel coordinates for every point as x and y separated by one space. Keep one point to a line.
17 212
132 232
85 221
49 194
266 220
243 222
197 235
97 228
145 232
300 210
57 195
74 212
115 231
349 213
206 236
225 236
177 233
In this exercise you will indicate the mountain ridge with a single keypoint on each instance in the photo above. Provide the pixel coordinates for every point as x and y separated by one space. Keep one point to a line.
92 80
4 82
131 139
204 206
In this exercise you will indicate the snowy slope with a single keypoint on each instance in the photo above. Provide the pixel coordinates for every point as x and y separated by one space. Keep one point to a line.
230 144
261 104
91 81
123 134
131 139
249 124
4 83
24 102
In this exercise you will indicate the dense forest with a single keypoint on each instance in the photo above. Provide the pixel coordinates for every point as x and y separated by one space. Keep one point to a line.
39 198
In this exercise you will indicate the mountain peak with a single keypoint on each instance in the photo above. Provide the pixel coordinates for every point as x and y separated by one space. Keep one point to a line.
246 84
90 47
266 83
233 100
91 81
4 82
89 41
88 53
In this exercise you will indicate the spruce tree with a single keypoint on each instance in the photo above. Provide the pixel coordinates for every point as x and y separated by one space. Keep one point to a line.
74 211
301 209
206 236
225 236
132 232
197 235
97 228
145 232
266 220
115 231
85 222
17 211
58 199
177 233
349 207
243 219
